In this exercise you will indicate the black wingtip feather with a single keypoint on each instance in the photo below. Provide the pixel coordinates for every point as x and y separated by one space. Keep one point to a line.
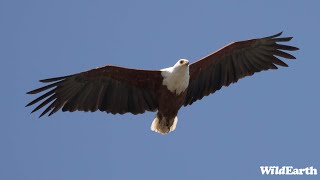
286 47
283 54
52 112
44 88
42 97
48 109
41 115
282 39
53 79
285 65
276 35
272 66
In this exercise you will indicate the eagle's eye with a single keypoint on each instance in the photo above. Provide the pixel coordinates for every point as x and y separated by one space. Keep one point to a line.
181 62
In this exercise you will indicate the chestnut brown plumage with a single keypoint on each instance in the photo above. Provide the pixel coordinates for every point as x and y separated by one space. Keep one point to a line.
233 62
110 88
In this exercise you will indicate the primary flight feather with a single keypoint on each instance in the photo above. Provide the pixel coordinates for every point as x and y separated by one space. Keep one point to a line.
120 90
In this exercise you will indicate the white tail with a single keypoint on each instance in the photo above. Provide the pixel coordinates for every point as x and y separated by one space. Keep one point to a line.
160 125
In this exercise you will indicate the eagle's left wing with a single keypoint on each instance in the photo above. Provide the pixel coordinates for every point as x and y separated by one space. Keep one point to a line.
110 88
233 62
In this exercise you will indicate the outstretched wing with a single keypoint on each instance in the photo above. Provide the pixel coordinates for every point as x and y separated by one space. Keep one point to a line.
110 88
233 62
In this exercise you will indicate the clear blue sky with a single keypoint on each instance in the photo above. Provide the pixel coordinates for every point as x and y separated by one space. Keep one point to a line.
271 118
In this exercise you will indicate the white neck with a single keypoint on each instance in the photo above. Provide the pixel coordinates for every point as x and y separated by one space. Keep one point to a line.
176 78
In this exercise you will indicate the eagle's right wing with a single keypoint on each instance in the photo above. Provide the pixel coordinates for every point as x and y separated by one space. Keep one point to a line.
110 88
233 62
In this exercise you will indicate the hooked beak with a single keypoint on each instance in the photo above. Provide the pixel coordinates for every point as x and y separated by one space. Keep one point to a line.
186 63
183 62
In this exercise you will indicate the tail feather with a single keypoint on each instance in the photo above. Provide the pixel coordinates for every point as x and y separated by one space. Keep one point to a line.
163 126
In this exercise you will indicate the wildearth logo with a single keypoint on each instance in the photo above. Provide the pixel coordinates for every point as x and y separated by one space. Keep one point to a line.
287 170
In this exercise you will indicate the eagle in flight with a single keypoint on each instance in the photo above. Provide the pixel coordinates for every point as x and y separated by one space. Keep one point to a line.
120 90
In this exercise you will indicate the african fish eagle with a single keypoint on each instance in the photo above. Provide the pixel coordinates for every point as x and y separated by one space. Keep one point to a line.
120 90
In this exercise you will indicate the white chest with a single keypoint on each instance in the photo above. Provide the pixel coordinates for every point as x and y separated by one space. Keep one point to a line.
176 80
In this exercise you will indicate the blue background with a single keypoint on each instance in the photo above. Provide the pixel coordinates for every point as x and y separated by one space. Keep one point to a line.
271 118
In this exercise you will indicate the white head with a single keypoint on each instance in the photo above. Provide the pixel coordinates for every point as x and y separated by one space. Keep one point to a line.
176 78
182 63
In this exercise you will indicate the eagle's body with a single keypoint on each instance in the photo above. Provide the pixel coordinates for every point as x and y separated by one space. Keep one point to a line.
119 90
171 94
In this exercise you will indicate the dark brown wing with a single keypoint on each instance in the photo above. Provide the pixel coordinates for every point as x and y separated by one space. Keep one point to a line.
110 88
233 62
